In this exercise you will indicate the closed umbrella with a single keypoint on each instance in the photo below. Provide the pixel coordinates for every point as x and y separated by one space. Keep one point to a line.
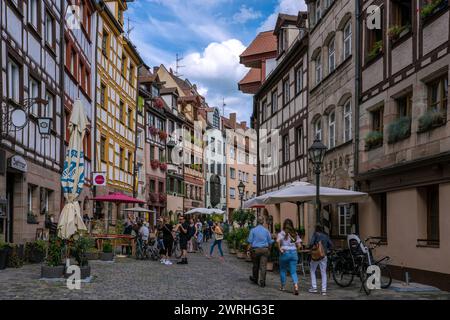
72 179
205 211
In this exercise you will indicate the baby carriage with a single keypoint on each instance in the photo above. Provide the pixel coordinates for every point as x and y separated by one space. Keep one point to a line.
153 250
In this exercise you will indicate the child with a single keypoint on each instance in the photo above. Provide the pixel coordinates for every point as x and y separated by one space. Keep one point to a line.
199 240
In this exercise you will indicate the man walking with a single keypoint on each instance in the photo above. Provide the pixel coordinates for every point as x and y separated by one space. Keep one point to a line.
260 240
182 227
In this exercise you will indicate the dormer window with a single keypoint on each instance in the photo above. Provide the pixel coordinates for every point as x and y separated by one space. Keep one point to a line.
318 11
282 45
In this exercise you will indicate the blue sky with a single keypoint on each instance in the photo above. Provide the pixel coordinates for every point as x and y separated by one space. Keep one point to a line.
209 35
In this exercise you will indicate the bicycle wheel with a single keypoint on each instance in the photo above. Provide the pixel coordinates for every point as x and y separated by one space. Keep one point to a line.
364 277
341 275
386 277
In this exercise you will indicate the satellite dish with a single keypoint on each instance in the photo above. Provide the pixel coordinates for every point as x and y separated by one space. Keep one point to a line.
19 118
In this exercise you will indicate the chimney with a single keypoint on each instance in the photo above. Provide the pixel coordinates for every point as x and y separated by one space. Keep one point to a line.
155 69
233 119
244 125
171 71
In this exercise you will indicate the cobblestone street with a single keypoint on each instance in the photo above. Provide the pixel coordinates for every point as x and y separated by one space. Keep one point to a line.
202 278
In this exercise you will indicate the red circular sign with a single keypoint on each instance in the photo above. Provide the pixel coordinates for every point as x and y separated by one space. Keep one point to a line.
99 179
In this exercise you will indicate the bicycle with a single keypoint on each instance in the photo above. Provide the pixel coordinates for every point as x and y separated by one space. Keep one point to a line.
142 250
348 263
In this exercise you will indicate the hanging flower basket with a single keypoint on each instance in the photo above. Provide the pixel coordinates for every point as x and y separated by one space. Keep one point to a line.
154 164
162 198
163 166
158 103
163 135
153 131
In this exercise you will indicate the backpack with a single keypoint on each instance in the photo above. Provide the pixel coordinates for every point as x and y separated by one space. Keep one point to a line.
318 252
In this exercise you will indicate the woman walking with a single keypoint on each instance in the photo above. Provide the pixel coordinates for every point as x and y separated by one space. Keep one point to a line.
288 242
218 237
321 244
166 229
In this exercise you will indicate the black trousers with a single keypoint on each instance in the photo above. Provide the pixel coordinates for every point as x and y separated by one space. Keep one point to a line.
259 259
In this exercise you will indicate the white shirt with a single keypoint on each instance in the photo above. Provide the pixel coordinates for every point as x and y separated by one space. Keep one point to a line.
144 232
289 244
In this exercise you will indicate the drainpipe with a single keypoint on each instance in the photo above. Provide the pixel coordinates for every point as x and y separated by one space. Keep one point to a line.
61 82
357 94
135 131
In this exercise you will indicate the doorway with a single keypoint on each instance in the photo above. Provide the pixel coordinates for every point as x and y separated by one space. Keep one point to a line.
10 180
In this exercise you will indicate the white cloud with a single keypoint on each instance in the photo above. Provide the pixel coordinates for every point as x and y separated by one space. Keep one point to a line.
246 14
284 6
216 71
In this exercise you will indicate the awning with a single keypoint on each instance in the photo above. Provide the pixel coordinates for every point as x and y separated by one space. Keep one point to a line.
117 197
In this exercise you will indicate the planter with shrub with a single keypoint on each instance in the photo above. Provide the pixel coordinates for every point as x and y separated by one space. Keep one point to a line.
53 267
396 32
4 252
399 129
376 50
35 251
374 139
430 120
16 256
107 254
78 250
432 7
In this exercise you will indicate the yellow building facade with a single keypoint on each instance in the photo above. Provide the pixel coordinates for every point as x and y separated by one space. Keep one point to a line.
116 100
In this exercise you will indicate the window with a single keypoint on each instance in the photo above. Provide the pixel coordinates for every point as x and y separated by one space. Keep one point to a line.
332 130
232 193
139 138
254 179
263 111
49 30
347 40
299 80
374 41
331 56
33 12
33 92
30 198
432 203
286 148
318 11
232 173
73 61
105 43
345 220
121 111
232 153
13 81
50 107
131 75
161 187
404 105
124 63
152 152
401 17
44 193
438 94
122 159
281 41
274 102
318 129
103 96
347 121
130 118
377 120
103 151
286 93
318 66
130 162
299 137
213 165
152 185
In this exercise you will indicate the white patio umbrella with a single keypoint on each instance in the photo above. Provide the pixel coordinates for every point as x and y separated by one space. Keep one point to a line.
72 179
306 192
205 211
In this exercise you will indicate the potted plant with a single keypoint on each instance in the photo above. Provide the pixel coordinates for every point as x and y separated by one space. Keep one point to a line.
31 218
53 267
430 120
16 256
153 197
241 239
92 253
432 7
374 139
35 251
231 242
163 166
79 248
4 252
399 129
395 32
162 135
153 130
107 253
154 164
377 48
162 198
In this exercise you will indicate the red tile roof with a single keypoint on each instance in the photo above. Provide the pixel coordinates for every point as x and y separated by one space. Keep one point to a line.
254 75
263 43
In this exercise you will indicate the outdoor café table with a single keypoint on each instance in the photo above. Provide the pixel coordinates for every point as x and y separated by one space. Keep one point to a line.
304 254
116 240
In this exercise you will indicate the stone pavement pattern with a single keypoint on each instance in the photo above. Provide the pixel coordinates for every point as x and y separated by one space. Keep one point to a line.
201 279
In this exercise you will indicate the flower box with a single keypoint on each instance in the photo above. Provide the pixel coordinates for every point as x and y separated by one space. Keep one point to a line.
432 7
163 166
430 120
158 103
399 129
154 164
162 198
373 140
162 135
153 197
396 32
153 131
376 50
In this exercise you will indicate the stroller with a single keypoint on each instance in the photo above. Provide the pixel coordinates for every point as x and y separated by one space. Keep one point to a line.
153 250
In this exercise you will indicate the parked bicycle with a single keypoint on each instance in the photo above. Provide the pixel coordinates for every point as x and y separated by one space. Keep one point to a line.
348 263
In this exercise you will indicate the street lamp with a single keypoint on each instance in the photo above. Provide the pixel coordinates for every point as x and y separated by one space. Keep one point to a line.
241 189
316 155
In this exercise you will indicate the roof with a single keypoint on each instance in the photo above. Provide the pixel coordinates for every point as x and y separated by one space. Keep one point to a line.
282 19
254 75
263 43
169 90
146 75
